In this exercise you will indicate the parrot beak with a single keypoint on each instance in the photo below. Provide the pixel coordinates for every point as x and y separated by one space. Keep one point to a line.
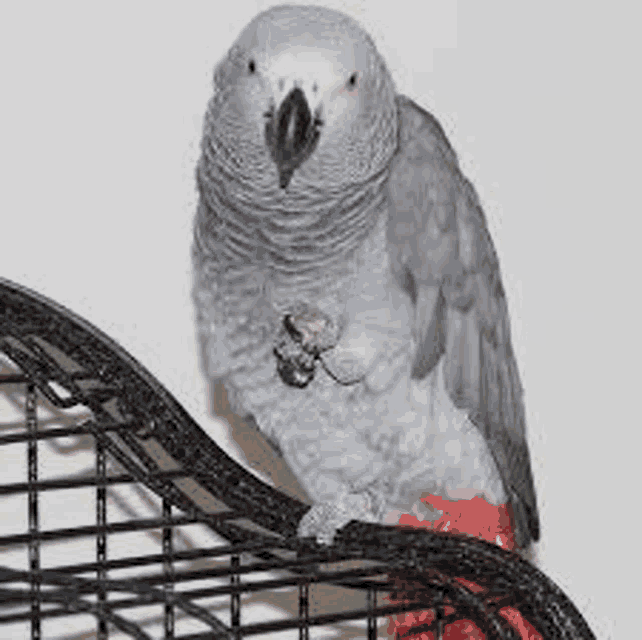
291 135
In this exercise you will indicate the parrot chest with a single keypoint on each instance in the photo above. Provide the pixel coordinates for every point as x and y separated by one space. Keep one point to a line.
256 296
371 316
252 301
387 431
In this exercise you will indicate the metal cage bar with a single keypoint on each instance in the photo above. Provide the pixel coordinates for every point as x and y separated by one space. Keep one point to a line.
34 543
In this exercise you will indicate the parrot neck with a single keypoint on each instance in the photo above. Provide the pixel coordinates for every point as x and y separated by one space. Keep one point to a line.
298 231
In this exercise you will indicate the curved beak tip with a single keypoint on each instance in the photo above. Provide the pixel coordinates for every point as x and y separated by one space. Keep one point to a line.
284 178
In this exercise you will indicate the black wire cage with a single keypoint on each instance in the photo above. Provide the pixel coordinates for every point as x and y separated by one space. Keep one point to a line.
220 557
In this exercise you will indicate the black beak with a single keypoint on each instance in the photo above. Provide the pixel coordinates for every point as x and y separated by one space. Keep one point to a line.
291 135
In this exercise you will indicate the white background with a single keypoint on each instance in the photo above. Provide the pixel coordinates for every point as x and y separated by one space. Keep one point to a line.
100 116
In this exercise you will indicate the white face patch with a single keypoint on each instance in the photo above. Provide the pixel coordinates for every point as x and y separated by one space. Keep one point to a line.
319 72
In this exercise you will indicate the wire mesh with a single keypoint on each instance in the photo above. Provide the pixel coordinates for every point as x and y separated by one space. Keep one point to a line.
165 536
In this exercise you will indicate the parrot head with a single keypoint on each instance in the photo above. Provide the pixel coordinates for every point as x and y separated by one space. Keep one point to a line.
303 99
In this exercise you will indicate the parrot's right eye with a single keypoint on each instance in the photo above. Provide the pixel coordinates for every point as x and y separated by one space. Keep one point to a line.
352 80
251 66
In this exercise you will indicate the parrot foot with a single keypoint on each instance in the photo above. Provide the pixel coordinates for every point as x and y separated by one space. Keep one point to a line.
303 338
325 519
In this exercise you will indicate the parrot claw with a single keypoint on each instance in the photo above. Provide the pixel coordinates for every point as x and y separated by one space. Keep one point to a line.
324 520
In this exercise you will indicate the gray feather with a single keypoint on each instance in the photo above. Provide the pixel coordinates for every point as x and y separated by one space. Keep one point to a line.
438 236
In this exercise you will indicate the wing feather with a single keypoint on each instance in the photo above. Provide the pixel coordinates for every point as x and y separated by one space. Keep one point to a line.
439 243
471 339
455 344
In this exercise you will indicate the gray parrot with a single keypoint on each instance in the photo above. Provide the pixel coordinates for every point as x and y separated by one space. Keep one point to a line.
347 290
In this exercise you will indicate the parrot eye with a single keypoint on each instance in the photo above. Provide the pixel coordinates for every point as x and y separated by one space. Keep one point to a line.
352 81
251 66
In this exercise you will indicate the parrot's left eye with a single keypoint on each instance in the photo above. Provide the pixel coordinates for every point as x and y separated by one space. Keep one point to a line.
352 80
251 65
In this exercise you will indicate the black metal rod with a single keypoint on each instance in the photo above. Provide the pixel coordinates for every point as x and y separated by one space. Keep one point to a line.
13 378
168 568
101 536
440 615
235 597
304 611
34 542
62 432
372 616
89 481
91 530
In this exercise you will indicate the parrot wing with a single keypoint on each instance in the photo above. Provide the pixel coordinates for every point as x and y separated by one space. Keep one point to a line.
443 256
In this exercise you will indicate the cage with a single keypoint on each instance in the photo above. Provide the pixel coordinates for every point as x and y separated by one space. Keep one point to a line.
166 536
